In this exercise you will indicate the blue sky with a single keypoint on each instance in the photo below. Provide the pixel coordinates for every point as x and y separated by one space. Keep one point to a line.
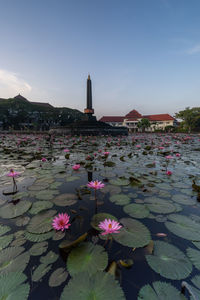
141 54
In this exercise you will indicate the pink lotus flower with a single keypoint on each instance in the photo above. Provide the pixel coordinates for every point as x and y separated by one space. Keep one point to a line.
169 173
97 185
169 157
66 150
106 153
76 167
161 148
13 174
178 155
43 159
109 226
138 146
61 222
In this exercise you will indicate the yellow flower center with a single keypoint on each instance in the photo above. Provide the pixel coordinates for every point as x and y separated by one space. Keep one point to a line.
110 226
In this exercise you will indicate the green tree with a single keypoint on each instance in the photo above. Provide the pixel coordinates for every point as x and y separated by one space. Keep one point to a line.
190 118
143 124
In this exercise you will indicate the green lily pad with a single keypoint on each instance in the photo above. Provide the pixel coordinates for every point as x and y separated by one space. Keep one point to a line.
99 286
159 290
169 261
10 210
42 222
132 234
33 237
20 195
139 211
65 200
46 194
96 219
50 258
87 257
12 259
55 185
112 189
4 229
160 206
119 181
184 227
183 199
12 286
41 271
58 235
194 256
58 277
5 241
38 248
22 220
197 244
40 206
72 178
120 199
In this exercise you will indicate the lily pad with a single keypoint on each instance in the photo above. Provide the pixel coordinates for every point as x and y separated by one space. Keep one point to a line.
40 206
183 199
87 257
96 219
12 286
194 256
5 241
169 261
42 222
139 211
46 194
4 229
58 277
184 227
65 200
12 259
160 206
99 286
159 290
33 237
68 245
50 258
112 189
22 220
72 178
10 210
119 181
120 199
38 248
132 234
41 271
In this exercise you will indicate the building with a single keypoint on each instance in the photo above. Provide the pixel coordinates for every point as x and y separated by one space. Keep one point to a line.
130 120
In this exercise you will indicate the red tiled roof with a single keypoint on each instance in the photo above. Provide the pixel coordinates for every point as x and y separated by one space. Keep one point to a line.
112 119
131 119
133 114
160 117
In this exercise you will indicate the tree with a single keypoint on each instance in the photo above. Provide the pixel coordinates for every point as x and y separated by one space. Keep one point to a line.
143 124
190 117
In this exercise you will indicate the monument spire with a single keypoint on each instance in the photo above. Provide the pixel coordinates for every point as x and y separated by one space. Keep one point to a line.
89 110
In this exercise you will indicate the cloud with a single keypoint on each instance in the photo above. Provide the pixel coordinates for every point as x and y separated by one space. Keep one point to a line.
194 50
11 82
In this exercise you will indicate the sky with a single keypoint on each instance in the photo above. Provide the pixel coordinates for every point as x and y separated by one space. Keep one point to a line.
140 54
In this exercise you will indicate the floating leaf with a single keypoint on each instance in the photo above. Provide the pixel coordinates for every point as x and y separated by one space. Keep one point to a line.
120 199
4 229
169 261
132 234
22 220
194 256
58 277
50 258
197 244
42 222
65 200
99 286
40 271
96 219
12 259
40 206
160 290
119 181
111 189
55 185
12 287
87 257
184 227
72 178
20 195
46 194
5 241
139 211
183 199
158 205
10 210
38 249
33 237
66 245
58 235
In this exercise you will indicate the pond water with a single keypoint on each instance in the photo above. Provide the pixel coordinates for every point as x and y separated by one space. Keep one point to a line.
151 187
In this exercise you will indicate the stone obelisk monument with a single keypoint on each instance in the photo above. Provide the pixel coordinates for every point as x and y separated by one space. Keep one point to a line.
89 110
